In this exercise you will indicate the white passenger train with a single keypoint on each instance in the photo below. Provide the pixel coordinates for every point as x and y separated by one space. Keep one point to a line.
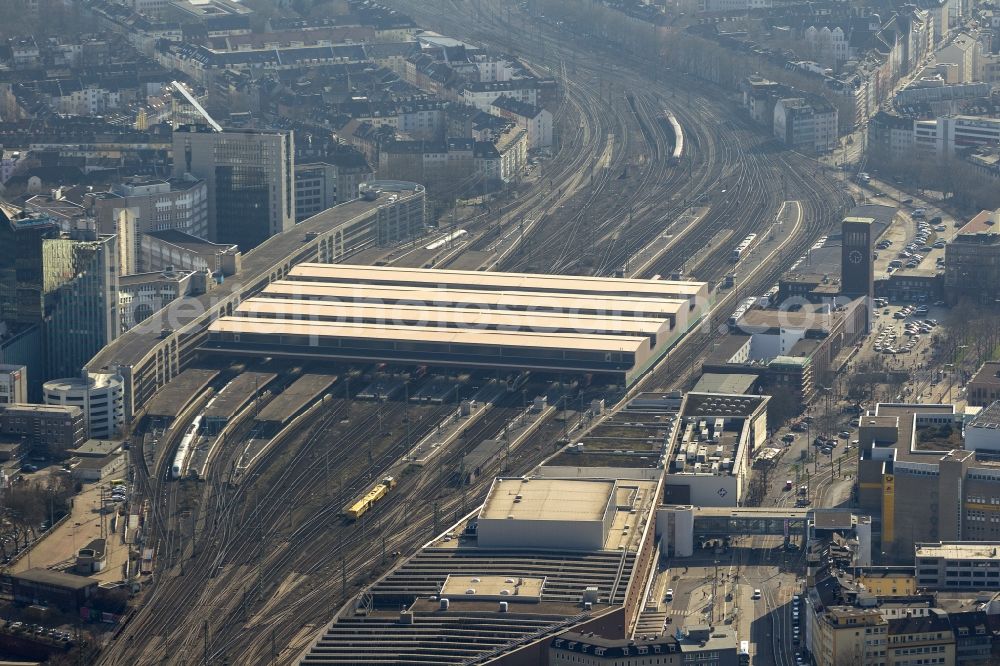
185 447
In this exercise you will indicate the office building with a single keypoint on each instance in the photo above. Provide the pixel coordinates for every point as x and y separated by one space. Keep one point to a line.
142 294
249 174
176 250
22 266
972 260
923 481
13 383
59 286
956 565
49 430
82 312
325 182
315 189
154 204
99 396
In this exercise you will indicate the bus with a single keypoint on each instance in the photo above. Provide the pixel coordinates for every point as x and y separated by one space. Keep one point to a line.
744 653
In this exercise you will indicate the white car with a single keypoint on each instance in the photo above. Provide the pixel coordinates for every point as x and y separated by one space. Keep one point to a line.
756 594
670 594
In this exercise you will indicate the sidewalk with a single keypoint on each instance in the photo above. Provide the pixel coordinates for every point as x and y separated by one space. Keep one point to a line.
83 526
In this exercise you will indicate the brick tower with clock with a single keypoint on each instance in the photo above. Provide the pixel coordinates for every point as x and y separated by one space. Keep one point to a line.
857 270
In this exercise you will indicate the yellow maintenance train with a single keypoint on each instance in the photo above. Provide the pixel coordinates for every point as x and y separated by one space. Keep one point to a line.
356 510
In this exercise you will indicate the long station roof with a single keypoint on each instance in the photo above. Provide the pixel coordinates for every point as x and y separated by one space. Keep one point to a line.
567 284
456 317
493 299
396 313
432 334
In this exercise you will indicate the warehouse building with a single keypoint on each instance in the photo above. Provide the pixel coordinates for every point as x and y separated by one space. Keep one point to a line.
612 327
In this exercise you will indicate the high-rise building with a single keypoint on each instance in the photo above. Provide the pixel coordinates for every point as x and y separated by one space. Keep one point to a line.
249 173
22 270
60 286
81 312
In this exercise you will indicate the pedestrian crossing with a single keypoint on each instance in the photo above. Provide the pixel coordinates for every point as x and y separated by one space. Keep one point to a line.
655 622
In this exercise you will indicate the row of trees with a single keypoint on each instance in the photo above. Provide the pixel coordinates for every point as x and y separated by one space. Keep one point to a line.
960 182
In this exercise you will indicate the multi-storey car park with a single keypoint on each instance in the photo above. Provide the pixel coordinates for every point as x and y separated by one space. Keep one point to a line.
515 321
148 356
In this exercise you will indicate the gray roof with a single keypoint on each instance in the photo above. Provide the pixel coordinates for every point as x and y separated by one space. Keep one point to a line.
55 579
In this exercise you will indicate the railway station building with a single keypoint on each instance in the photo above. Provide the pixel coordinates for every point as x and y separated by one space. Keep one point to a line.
610 327
151 355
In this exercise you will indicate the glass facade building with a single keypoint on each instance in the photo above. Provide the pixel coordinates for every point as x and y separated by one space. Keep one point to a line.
250 177
58 295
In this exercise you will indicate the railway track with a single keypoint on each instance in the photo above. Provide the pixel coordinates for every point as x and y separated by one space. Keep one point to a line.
278 535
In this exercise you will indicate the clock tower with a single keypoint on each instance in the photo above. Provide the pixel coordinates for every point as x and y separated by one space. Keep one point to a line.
857 270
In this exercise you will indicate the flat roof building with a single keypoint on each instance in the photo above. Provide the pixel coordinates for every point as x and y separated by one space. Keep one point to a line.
50 430
470 319
709 456
955 565
65 591
547 513
982 432
511 583
972 260
696 293
13 383
920 477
